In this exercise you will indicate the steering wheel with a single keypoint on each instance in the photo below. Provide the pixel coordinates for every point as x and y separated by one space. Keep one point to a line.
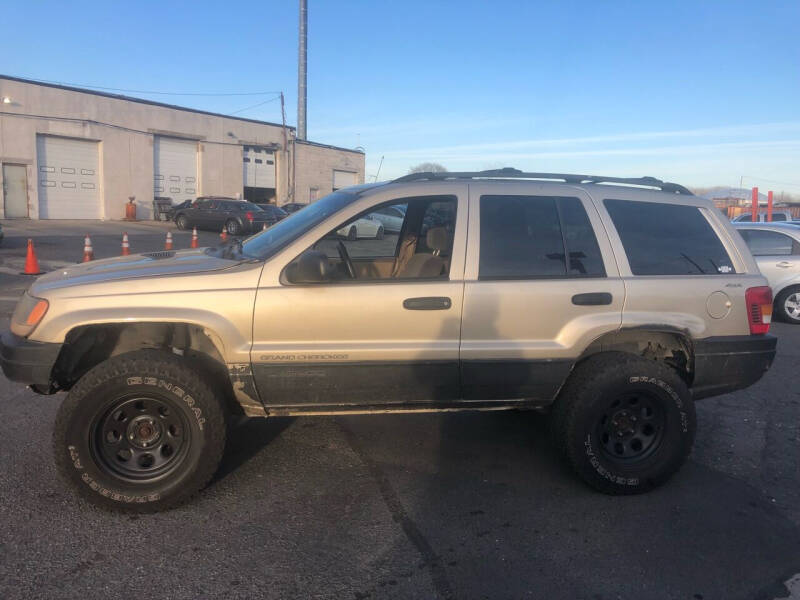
351 270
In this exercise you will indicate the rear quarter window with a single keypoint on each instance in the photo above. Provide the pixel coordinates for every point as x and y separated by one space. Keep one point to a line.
668 239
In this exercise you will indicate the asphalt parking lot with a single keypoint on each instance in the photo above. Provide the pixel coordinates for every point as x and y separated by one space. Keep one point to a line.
414 506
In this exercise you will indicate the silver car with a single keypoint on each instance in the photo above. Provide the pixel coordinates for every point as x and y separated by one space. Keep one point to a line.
776 248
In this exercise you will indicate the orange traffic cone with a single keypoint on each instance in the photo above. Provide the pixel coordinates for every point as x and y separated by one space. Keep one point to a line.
168 243
31 263
88 253
194 238
126 247
224 235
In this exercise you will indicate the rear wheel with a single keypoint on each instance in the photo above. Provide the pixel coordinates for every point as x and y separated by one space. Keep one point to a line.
233 227
182 222
787 305
626 424
140 432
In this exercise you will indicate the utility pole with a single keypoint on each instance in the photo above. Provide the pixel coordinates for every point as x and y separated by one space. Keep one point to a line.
302 65
289 167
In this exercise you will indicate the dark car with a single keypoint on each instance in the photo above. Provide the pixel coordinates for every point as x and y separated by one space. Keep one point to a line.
173 209
293 207
274 213
236 216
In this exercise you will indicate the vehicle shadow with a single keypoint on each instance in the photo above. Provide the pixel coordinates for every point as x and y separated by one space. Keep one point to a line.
247 438
494 512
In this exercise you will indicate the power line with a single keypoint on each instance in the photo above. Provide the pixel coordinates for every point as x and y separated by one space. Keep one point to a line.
161 93
111 125
236 112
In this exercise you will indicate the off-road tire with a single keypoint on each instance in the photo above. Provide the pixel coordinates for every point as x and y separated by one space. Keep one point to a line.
162 379
780 305
580 417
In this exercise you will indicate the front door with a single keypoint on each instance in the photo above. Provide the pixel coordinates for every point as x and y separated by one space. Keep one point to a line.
15 191
384 328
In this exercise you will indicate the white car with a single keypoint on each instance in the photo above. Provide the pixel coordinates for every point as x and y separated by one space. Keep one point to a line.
362 228
776 248
762 216
391 217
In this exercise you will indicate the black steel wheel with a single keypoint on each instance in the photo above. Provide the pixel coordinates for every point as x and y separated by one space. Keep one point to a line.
625 424
142 432
140 438
631 427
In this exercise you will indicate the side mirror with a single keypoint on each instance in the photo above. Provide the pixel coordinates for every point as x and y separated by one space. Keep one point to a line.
310 267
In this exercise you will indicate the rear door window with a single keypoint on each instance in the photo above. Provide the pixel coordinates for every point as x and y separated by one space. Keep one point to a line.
668 239
529 237
769 243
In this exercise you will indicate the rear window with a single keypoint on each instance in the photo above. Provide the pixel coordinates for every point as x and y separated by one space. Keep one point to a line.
528 237
668 239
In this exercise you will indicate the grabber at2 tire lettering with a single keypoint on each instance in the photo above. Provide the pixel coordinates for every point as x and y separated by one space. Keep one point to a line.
626 424
140 432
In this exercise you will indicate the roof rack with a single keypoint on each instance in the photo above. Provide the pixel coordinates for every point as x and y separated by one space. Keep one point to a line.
510 173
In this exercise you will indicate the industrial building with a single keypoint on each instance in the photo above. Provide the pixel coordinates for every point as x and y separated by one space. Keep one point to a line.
73 153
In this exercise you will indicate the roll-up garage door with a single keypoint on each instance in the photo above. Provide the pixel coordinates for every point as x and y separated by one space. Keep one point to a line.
342 179
175 169
68 178
259 167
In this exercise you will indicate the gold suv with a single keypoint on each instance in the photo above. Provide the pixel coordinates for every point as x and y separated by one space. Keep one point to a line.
613 304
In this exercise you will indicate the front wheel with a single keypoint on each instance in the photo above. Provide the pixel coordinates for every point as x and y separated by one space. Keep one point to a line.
379 234
140 432
352 234
787 305
626 424
182 222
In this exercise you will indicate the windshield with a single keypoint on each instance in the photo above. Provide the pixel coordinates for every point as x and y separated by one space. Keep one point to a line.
268 242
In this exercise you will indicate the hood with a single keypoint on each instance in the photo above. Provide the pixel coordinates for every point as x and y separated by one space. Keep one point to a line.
152 264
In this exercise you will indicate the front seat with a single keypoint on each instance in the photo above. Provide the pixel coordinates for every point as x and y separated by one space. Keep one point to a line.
424 266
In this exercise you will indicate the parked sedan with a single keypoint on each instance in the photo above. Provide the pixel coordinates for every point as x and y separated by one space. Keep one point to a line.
776 248
362 228
235 216
391 217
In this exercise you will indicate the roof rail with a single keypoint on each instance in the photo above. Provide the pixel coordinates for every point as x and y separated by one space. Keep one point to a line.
510 173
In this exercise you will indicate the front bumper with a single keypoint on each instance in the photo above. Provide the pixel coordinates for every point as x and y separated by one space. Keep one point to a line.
729 363
27 361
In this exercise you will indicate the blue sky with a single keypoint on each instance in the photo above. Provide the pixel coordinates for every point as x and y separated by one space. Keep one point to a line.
697 92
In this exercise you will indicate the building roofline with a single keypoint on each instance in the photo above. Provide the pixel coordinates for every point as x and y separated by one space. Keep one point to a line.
317 144
138 100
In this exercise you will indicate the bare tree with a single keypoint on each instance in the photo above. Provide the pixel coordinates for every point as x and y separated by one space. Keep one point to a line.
428 167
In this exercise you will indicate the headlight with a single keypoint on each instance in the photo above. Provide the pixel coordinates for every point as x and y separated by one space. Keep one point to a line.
28 314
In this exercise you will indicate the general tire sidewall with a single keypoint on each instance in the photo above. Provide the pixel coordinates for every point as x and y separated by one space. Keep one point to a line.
75 445
676 441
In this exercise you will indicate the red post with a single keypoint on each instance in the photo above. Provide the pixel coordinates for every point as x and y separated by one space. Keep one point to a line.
769 205
754 218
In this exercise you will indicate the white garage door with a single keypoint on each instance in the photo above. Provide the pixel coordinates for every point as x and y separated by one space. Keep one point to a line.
259 167
68 179
175 169
342 179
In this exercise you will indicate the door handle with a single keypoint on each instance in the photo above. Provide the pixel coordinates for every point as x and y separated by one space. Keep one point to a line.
427 303
592 299
784 264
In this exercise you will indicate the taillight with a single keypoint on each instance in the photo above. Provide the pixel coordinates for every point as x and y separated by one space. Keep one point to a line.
249 216
759 309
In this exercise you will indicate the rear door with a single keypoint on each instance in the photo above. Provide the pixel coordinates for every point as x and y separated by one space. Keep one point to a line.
540 286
